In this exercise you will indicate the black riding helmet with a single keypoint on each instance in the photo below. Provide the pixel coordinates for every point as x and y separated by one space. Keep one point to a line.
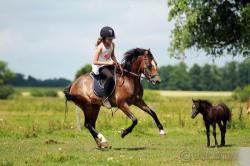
107 32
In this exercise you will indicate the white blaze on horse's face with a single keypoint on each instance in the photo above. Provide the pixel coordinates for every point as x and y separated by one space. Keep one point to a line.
194 110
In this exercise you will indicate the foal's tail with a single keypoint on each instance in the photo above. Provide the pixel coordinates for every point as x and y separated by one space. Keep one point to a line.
227 112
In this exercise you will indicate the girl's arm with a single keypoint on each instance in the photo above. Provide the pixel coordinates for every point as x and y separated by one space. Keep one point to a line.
96 56
113 54
114 59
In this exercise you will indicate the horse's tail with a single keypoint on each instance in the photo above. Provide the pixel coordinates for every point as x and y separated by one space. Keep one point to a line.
227 111
67 98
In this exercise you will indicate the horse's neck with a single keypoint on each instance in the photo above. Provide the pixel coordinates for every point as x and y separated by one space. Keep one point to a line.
206 111
135 66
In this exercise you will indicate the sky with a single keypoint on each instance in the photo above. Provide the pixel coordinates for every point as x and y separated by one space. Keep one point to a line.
52 38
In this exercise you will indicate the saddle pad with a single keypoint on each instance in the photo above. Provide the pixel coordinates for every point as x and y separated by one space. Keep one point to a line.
98 85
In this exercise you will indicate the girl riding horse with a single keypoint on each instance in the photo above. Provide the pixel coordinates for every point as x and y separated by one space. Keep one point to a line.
104 59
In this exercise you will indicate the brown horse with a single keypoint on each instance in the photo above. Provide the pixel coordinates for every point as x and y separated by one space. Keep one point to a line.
212 115
128 91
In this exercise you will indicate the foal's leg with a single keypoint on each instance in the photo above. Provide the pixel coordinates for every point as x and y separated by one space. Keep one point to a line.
125 109
214 133
91 113
208 133
142 105
222 134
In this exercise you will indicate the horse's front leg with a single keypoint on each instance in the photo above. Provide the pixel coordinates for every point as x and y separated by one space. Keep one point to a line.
142 105
208 134
125 109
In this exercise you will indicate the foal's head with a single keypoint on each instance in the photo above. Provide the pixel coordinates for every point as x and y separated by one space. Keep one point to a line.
199 106
145 63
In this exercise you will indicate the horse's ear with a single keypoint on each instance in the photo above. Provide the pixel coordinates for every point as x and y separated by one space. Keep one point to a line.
193 100
148 49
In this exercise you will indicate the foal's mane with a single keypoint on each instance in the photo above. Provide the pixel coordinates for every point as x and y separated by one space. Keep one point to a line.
206 103
132 55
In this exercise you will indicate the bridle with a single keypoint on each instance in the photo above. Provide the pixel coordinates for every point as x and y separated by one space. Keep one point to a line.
146 70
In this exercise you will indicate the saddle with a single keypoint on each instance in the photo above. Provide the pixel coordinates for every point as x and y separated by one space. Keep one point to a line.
99 82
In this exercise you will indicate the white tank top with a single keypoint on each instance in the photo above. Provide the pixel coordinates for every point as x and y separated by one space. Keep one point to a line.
104 56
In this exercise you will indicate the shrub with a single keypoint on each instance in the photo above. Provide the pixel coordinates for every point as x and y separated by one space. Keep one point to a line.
43 93
6 91
242 94
36 93
51 93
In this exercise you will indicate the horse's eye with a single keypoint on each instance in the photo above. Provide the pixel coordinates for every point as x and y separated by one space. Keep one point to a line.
149 66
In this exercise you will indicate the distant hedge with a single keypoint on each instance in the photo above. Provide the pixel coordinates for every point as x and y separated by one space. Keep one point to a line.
43 93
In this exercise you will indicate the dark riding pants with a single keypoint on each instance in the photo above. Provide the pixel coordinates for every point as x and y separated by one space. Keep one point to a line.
107 72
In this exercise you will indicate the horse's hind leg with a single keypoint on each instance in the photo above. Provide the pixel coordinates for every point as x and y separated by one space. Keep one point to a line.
222 134
91 113
225 130
214 133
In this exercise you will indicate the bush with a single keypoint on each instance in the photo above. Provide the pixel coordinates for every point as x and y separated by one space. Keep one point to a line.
36 93
51 93
43 93
242 94
6 91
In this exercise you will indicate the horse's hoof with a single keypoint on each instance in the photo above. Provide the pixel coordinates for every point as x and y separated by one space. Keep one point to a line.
123 133
104 146
162 133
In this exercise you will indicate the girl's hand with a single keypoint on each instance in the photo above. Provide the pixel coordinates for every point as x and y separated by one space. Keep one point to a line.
111 63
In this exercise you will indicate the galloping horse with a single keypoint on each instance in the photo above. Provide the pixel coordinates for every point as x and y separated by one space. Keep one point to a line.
128 91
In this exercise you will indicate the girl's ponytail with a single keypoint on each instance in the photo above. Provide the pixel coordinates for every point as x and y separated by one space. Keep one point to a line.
99 40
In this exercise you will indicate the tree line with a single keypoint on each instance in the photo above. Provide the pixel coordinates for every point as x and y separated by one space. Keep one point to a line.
208 77
21 81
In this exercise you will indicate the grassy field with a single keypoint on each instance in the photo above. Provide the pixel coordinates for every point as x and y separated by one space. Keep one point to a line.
33 132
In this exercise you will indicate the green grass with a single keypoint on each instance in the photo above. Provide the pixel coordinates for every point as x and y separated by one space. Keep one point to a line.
27 125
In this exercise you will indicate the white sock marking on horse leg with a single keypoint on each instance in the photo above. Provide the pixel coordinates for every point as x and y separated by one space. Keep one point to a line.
103 139
162 132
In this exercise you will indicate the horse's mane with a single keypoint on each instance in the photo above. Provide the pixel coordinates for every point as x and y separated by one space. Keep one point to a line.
132 55
206 103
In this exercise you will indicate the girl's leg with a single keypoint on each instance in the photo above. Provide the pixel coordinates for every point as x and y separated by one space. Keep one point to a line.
109 78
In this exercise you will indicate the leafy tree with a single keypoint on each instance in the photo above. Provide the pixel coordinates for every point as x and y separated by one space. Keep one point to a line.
5 76
244 73
195 75
216 26
179 78
230 76
164 72
85 69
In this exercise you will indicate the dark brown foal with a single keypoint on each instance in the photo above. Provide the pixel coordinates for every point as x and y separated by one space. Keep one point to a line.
219 114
